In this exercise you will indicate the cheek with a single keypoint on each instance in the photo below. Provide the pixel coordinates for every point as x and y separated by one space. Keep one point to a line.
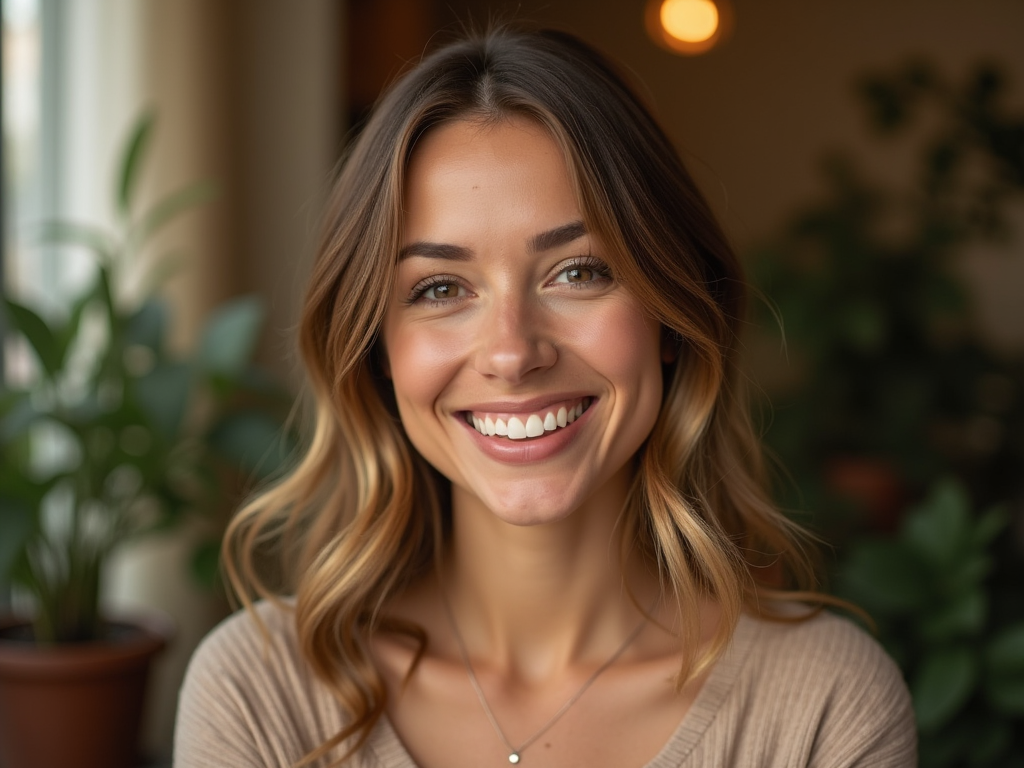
421 365
625 346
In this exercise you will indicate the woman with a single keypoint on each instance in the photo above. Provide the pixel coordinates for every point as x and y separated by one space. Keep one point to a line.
531 525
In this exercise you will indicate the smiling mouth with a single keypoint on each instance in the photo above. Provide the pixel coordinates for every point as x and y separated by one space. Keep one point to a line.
523 426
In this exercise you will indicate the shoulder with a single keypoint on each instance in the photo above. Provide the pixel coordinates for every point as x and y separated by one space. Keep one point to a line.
825 647
826 681
248 698
266 633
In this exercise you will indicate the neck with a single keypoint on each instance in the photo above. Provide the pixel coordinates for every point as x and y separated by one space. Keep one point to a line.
534 599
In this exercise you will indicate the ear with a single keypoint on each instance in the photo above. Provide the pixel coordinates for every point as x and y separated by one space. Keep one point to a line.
670 345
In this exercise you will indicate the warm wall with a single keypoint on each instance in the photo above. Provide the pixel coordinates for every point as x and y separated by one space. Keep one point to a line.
755 115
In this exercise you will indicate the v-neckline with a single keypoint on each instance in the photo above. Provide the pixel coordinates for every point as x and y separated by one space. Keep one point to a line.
389 751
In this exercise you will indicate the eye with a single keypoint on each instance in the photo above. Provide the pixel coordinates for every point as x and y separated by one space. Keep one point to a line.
583 272
442 291
438 290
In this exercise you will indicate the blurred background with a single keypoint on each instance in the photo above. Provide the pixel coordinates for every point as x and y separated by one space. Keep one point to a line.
866 159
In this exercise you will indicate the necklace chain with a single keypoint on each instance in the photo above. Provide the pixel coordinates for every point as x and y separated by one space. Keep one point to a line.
515 753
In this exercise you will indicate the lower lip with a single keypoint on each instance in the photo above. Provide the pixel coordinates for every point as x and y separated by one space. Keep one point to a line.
531 449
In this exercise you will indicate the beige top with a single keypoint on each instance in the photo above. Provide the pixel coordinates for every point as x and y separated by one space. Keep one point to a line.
817 693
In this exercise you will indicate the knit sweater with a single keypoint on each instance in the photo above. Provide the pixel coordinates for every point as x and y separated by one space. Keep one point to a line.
816 693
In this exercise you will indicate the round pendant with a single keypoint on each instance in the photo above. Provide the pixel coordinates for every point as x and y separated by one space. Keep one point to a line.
513 758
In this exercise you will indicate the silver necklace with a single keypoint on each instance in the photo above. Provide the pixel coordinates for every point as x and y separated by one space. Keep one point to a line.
515 753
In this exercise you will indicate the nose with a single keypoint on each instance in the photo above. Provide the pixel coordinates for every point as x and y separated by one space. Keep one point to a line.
513 342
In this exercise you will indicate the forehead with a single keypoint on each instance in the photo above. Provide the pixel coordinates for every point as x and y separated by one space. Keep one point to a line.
478 171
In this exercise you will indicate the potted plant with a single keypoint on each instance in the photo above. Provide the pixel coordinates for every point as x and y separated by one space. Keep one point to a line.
116 436
902 424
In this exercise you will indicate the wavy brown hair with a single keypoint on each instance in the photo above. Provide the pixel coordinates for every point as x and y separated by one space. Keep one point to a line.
362 513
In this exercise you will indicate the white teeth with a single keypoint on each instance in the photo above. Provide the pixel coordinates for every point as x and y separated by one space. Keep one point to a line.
516 430
535 424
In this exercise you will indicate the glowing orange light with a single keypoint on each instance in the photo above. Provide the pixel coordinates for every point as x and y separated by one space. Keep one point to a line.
688 27
691 21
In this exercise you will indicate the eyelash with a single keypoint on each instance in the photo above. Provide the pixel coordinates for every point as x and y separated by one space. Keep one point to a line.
421 288
601 273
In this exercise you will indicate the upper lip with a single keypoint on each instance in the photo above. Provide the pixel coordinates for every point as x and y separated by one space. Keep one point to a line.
530 405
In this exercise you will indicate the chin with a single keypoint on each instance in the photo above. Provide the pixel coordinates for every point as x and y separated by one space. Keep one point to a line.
529 504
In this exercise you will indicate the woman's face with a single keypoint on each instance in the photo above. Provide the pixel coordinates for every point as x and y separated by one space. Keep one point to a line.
522 370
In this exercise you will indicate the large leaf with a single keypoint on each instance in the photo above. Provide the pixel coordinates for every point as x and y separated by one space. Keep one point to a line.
147 327
942 685
17 524
253 441
205 564
939 528
990 524
90 236
163 395
69 332
961 616
230 336
39 335
1005 660
17 416
131 162
171 207
885 576
1005 654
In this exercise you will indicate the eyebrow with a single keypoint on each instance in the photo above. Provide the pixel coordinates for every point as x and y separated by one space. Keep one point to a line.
553 238
545 241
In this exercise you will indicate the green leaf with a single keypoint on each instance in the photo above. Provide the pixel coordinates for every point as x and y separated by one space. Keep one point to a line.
205 564
939 527
131 162
253 441
990 524
90 236
942 685
1006 694
163 395
66 335
962 616
171 207
885 576
18 523
1005 652
39 335
230 337
1005 660
147 327
17 418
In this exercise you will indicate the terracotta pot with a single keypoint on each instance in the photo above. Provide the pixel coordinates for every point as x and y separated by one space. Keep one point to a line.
76 705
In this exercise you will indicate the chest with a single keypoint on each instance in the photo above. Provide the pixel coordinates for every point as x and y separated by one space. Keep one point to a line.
622 720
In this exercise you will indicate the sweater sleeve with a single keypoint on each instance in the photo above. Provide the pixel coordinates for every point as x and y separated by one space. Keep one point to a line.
867 720
247 700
